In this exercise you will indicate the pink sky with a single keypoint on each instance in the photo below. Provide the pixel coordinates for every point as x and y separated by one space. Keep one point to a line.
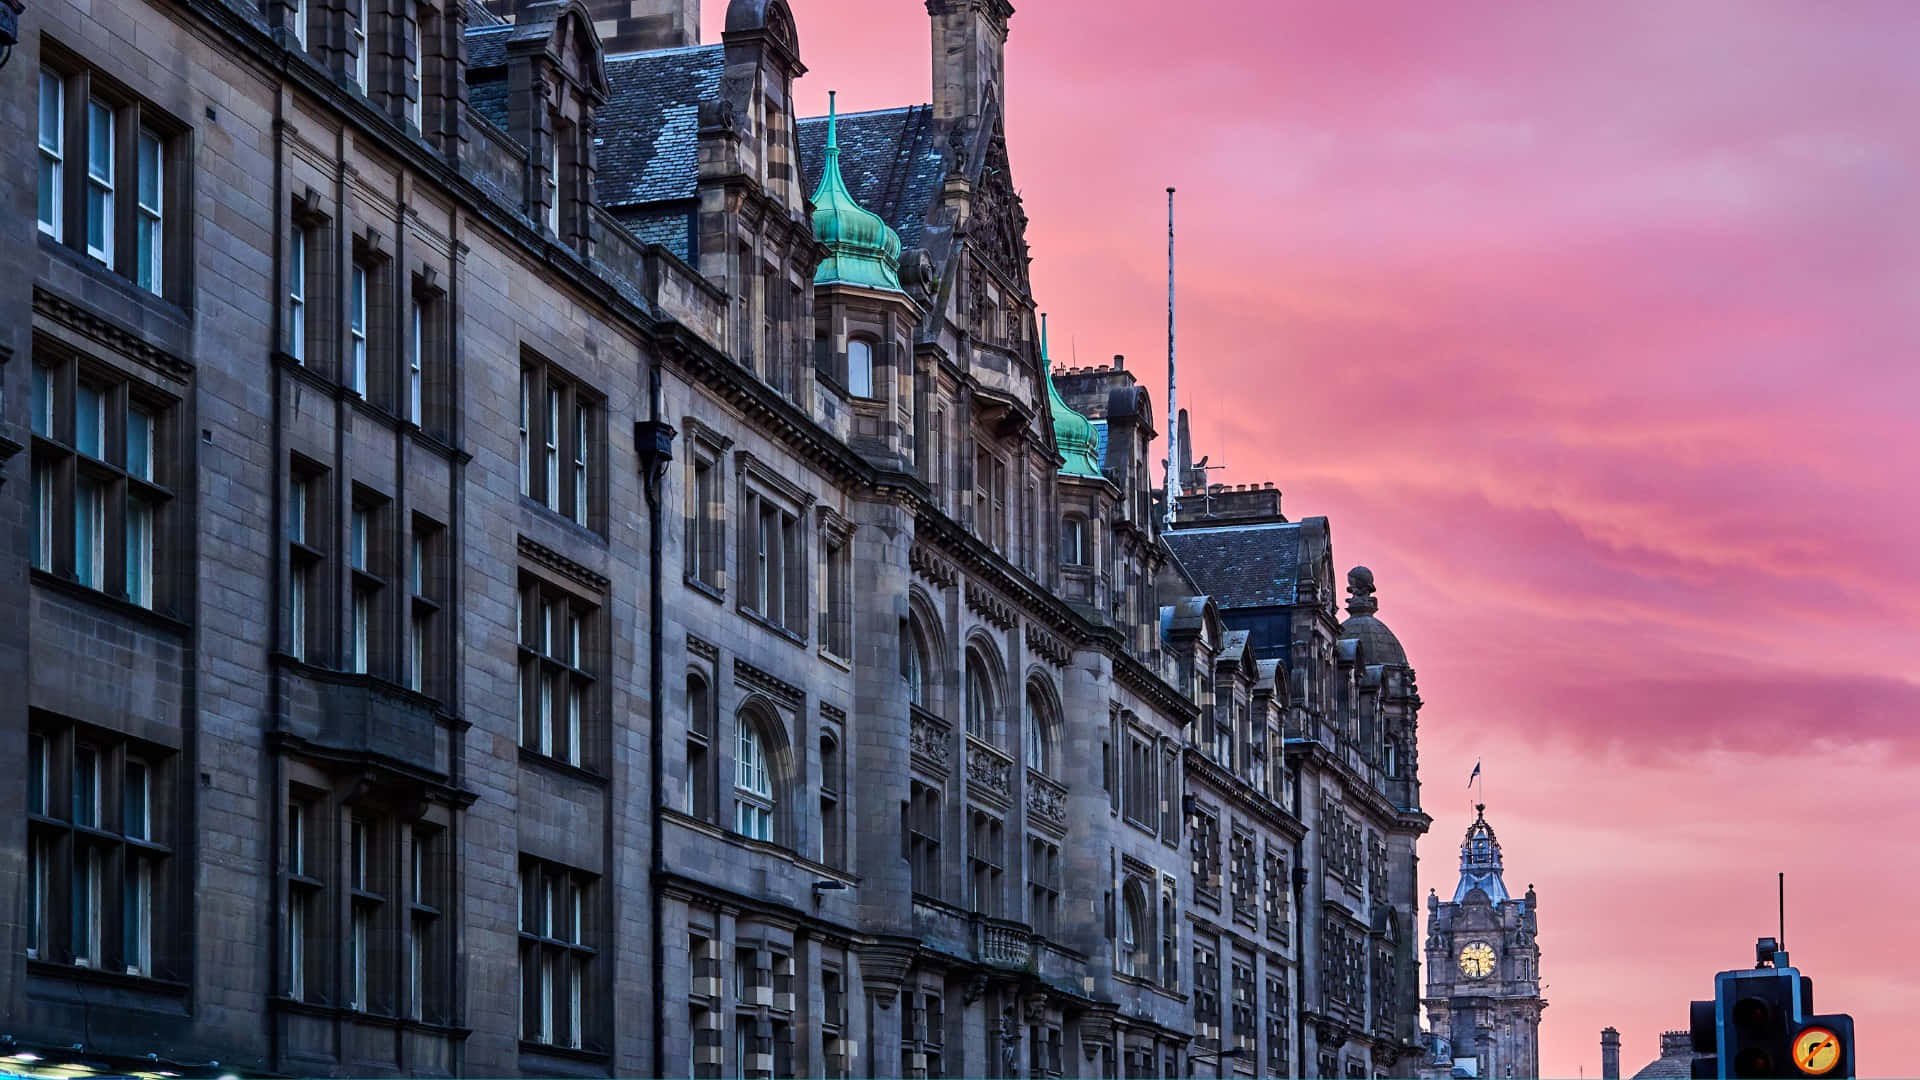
1591 327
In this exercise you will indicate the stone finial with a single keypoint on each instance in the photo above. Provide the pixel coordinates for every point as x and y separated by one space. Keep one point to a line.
1360 599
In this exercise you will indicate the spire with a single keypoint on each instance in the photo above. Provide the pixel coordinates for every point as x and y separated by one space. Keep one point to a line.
1072 433
862 249
1480 861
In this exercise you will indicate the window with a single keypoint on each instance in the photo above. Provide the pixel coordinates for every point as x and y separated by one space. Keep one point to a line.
425 586
985 856
306 536
1043 886
416 345
1169 936
859 369
1142 782
427 945
357 331
1278 1021
553 179
358 30
1206 989
771 562
97 457
149 244
99 196
1246 1003
415 97
556 952
700 756
370 557
368 882
1245 890
924 1031
1135 933
1206 854
306 890
100 847
559 422
53 152
1074 547
836 601
833 842
915 663
705 522
297 294
125 212
1040 730
923 838
297 21
980 704
556 686
753 805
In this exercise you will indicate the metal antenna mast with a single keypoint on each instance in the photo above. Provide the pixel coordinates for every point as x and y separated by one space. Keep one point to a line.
1173 410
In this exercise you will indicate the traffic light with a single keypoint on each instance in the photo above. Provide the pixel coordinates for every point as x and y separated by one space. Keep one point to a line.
1760 1026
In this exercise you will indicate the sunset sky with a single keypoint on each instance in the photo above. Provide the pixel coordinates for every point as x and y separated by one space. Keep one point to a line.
1591 327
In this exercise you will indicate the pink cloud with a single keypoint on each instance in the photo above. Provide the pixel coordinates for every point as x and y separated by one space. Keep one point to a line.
1591 329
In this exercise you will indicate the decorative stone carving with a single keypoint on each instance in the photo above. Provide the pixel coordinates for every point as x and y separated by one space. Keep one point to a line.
930 566
1047 646
1046 801
982 602
990 772
927 740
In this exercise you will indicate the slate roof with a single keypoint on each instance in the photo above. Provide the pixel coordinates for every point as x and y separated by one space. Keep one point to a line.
650 124
487 46
488 97
889 161
1242 566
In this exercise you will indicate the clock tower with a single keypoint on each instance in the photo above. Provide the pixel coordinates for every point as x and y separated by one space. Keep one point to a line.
1483 970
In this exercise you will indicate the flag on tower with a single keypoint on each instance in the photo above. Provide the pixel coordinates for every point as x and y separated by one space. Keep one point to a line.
1476 774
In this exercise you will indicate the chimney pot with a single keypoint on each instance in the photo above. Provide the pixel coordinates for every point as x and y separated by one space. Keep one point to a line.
1119 362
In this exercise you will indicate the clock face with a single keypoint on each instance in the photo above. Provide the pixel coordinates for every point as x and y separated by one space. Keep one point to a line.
1476 960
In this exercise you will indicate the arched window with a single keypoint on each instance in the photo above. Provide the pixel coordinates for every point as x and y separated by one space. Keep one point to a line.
915 664
980 704
699 778
752 782
1133 931
1040 732
859 369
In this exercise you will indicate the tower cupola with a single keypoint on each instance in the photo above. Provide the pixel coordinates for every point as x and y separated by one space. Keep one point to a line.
1072 433
862 249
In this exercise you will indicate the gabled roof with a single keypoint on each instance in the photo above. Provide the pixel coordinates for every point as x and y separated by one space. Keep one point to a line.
1243 566
650 125
889 162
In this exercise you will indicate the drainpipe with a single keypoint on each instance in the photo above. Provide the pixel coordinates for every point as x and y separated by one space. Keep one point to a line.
653 440
1301 960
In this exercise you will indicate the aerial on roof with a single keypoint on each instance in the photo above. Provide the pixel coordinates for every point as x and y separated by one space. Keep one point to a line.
1242 566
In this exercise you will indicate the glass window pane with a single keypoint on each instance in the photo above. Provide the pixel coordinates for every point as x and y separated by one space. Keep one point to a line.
88 532
140 552
42 401
139 443
148 162
136 813
89 418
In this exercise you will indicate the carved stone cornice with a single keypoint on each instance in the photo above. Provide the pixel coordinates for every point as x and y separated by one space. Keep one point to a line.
746 673
542 555
702 648
935 569
1047 646
108 334
833 713
984 603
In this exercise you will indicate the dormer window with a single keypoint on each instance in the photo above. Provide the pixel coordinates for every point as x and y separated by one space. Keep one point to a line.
859 369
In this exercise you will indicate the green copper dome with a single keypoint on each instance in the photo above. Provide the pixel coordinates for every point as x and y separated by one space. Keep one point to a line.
1072 432
862 249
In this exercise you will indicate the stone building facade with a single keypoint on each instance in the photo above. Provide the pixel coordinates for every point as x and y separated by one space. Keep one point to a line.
343 340
1483 970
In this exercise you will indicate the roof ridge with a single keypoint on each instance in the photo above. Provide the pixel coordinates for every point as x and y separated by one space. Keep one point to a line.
866 112
642 54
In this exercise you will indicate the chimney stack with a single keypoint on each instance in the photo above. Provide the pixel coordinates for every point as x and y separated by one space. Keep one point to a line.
627 26
1609 1054
1119 362
969 55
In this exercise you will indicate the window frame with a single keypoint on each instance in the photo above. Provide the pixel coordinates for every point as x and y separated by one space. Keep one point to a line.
561 419
560 632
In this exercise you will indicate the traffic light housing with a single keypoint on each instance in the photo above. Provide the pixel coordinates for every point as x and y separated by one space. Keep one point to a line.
1760 1026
